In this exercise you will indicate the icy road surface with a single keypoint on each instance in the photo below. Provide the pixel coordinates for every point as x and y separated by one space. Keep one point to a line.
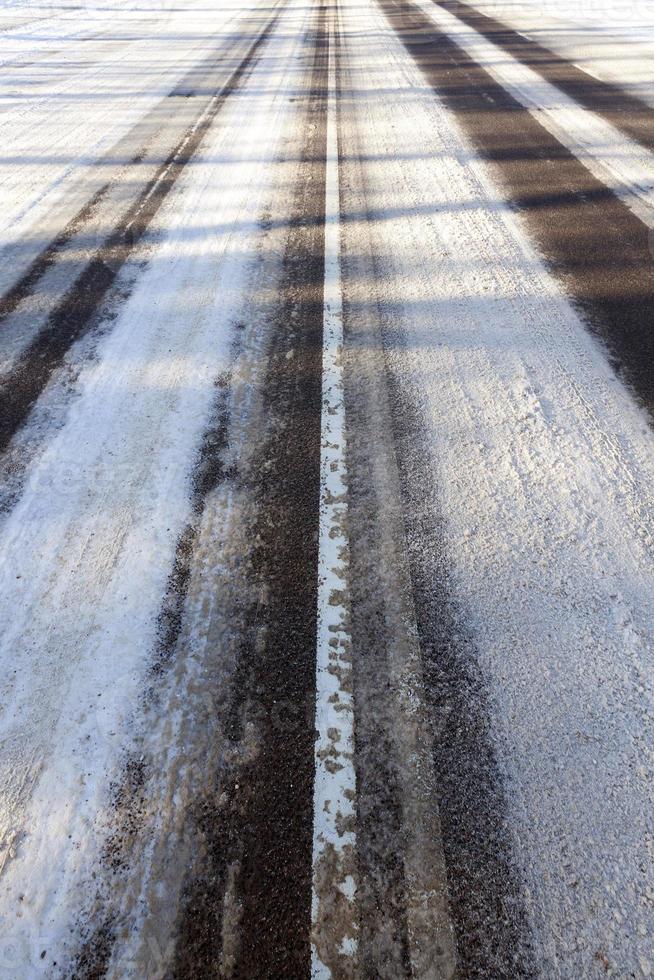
326 489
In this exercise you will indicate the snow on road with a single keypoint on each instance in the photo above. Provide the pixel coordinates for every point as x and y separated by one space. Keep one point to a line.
539 467
516 510
70 90
618 162
88 550
611 39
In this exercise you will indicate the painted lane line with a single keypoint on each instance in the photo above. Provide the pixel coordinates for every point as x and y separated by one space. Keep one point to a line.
334 931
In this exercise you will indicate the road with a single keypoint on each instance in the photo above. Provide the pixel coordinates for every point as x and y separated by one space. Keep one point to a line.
326 490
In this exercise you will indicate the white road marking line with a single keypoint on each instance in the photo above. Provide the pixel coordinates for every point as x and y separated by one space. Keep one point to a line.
333 910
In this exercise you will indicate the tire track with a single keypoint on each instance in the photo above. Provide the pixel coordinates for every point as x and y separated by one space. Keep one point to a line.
403 901
174 387
255 868
626 112
589 237
471 326
129 797
413 650
73 314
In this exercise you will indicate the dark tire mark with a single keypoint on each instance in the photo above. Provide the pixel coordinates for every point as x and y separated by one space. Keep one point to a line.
381 895
73 315
257 854
129 798
487 903
591 240
626 112
381 898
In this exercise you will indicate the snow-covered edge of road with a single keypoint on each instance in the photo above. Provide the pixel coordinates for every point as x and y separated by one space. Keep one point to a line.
333 922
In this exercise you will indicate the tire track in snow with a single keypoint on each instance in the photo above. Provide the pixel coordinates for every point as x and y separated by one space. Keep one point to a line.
521 520
403 898
183 887
420 681
73 314
333 907
621 109
54 161
254 818
129 791
109 498
624 166
592 241
145 143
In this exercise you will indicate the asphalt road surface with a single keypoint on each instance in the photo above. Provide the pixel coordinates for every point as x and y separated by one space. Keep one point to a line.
326 491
